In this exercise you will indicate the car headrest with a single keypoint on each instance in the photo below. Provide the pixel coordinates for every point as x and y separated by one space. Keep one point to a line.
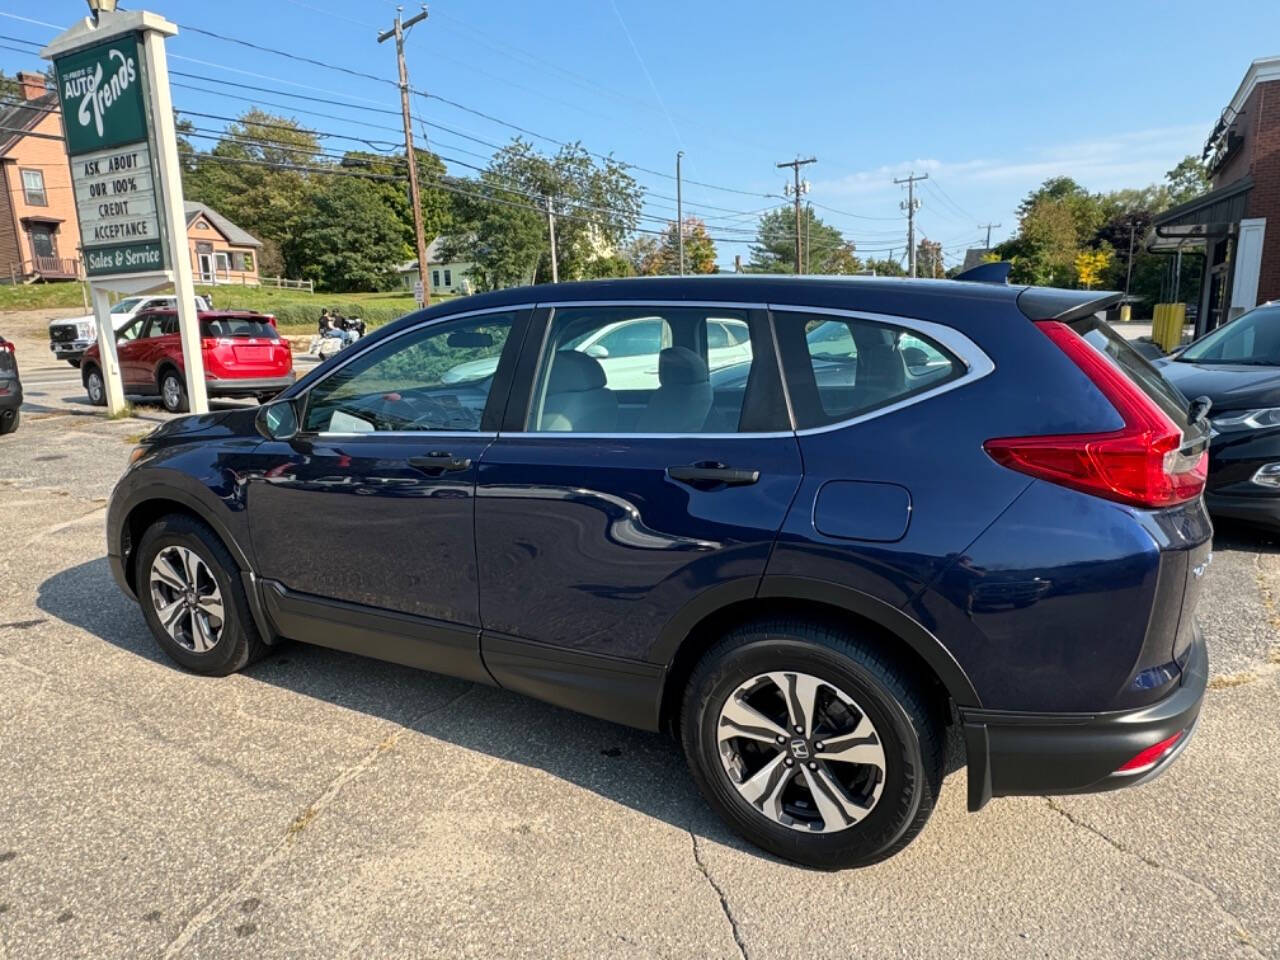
679 366
573 372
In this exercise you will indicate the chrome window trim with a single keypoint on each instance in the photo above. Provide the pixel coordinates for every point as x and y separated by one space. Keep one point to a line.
569 434
977 363
384 434
305 394
647 302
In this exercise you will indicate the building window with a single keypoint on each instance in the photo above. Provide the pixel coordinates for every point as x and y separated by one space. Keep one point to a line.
237 262
201 225
448 278
435 278
33 187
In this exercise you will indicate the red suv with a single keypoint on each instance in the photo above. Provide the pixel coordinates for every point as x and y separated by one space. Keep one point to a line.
243 357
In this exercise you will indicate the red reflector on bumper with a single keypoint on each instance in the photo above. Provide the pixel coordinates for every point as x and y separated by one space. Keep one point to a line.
1149 757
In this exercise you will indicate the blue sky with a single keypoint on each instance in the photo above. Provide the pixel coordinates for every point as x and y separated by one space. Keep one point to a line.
990 100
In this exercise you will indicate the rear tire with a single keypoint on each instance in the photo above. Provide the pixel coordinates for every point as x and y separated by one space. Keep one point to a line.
862 710
173 391
211 631
95 386
9 420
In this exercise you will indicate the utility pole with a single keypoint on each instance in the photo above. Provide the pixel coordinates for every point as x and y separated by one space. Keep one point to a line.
808 249
987 227
551 229
680 210
798 190
1128 271
911 205
415 199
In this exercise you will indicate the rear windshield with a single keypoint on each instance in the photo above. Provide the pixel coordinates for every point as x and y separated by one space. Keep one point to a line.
1099 335
238 327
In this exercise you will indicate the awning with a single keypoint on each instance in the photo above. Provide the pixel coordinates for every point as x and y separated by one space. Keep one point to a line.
51 221
1210 215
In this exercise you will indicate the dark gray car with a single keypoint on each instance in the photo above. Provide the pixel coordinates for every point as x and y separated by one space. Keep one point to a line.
10 388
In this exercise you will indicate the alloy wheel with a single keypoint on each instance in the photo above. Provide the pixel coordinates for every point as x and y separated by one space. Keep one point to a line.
801 751
94 385
172 391
187 600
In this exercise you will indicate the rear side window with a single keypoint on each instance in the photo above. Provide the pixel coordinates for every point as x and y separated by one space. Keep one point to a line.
238 327
1099 335
654 369
842 367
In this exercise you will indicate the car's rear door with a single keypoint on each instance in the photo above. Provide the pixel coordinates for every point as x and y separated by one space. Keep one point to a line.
607 519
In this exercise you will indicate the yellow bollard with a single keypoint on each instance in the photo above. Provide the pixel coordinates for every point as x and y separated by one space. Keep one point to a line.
1126 312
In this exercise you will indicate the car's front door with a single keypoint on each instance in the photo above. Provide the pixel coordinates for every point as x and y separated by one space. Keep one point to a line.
362 524
605 515
130 346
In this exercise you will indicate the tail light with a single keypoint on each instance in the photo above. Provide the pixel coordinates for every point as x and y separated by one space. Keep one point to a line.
1140 464
1144 760
6 347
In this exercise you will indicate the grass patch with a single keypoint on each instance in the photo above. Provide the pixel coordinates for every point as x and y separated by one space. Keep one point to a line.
296 310
124 413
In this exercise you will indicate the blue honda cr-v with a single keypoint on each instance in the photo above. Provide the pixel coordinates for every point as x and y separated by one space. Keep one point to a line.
805 524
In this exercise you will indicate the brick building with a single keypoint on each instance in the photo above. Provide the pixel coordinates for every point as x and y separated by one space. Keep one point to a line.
1236 225
39 230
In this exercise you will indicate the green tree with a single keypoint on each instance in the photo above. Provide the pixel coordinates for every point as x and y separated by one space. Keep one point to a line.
250 176
596 204
644 253
886 268
344 238
699 250
1187 180
823 248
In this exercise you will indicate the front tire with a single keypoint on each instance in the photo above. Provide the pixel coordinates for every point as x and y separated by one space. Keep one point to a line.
812 744
9 420
193 599
173 391
75 362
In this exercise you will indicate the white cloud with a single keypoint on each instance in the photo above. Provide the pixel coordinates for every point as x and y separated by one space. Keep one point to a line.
1129 159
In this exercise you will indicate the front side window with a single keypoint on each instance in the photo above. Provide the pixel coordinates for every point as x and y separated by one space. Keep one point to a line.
642 369
435 378
1251 339
134 328
842 367
33 188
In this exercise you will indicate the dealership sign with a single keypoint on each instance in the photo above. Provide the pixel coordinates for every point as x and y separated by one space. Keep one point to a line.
112 165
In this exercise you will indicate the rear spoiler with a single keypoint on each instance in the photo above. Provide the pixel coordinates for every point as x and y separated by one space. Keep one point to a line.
997 272
1050 303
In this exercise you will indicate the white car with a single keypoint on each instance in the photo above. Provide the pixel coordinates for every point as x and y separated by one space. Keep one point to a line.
628 351
70 338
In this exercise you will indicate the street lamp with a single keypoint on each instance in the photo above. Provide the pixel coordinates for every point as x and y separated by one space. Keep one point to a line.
99 6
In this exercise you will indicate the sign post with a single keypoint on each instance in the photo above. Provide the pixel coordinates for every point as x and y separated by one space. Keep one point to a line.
117 117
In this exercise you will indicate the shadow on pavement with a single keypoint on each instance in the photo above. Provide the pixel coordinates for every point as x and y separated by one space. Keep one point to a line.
1236 535
644 771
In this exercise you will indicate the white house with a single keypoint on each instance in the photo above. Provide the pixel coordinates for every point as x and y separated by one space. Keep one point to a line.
450 277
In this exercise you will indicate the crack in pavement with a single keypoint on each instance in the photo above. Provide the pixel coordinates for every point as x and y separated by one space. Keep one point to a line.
1241 933
211 910
724 902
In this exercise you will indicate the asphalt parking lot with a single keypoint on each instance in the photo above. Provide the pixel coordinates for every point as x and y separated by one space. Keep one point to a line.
323 805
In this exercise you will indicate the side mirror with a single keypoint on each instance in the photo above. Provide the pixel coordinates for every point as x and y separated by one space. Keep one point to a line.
597 351
278 420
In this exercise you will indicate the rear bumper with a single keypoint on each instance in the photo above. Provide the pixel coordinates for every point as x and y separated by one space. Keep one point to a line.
247 387
1013 753
10 394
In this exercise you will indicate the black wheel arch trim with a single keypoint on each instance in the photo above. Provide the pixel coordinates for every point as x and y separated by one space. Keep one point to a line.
909 631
